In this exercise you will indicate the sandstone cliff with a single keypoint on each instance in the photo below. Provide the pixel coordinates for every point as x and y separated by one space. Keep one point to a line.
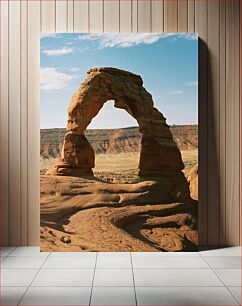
123 140
192 178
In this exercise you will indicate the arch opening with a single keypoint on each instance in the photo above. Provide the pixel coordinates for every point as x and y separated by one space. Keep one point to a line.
115 138
111 117
159 154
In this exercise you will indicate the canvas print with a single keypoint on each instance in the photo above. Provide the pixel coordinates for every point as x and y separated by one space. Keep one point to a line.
119 142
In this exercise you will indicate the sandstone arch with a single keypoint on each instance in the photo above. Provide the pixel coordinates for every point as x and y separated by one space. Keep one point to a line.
159 153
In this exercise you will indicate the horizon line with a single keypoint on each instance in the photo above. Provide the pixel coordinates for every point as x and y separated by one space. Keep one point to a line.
127 127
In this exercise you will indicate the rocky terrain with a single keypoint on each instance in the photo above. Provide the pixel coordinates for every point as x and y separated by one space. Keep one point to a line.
87 214
151 210
192 178
115 141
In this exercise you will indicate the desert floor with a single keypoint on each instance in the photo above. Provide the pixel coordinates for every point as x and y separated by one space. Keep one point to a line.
115 210
121 162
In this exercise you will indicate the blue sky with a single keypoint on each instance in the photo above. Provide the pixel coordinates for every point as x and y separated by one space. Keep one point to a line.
168 64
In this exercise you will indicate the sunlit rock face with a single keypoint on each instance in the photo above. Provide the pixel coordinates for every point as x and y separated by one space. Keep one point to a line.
159 154
81 212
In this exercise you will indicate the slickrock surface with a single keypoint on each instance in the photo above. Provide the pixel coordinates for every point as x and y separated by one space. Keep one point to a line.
87 214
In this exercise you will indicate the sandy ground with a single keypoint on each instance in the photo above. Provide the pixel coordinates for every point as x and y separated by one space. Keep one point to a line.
116 211
89 214
121 162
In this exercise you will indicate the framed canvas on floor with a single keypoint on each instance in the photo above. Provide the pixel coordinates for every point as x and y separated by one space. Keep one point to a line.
119 142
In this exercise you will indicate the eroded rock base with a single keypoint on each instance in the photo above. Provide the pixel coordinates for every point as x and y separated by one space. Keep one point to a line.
87 214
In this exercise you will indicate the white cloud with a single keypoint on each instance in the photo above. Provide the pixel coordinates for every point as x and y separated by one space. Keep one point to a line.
75 69
192 83
187 36
176 92
48 35
57 52
121 40
52 79
126 40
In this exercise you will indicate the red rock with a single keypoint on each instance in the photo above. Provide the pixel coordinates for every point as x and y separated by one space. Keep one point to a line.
159 153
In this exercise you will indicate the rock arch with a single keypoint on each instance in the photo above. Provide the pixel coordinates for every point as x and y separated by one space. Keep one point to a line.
159 153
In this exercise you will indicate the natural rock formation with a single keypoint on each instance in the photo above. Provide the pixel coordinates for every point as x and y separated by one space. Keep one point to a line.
87 214
192 178
77 156
159 155
114 141
185 136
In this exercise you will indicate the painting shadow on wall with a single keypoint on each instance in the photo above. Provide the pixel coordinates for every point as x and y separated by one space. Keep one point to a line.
209 158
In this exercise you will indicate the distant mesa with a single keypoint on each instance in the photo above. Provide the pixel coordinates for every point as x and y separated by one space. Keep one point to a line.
159 154
114 141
